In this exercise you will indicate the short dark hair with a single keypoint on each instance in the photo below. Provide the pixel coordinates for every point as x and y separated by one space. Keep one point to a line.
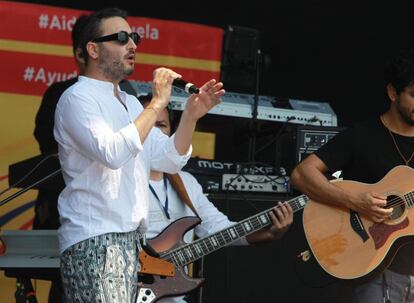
92 28
145 98
77 33
399 70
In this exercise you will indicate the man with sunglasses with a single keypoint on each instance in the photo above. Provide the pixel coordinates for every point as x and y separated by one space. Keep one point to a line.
107 146
122 37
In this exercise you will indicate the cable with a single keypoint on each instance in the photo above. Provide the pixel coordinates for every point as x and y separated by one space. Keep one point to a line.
251 168
278 134
304 152
29 187
28 174
264 173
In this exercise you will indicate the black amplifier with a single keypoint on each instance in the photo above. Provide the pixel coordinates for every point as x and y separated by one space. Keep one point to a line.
311 138
218 176
212 167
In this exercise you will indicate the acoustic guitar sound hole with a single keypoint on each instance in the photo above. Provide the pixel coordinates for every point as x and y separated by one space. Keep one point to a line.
398 204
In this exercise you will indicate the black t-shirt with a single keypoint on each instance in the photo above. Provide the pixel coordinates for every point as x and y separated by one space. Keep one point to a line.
366 153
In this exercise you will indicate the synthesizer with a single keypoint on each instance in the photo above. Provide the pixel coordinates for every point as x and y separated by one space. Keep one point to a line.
241 105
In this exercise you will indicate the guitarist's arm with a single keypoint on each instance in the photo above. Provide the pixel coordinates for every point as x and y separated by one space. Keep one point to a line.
309 178
282 218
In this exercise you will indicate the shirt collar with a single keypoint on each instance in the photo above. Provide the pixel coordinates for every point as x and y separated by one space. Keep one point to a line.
100 83
107 86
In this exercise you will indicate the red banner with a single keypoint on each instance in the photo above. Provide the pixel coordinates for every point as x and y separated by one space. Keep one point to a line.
36 50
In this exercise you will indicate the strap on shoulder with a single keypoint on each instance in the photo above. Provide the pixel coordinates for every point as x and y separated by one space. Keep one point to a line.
178 185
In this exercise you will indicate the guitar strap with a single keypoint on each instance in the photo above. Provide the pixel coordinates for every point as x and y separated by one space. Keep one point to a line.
178 185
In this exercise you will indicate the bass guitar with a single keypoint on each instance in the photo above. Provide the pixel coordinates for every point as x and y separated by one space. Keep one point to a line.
165 276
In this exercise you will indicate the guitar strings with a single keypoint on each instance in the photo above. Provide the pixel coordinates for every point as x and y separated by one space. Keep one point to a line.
395 202
170 255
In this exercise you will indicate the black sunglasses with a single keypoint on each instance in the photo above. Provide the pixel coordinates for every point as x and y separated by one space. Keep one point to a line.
122 38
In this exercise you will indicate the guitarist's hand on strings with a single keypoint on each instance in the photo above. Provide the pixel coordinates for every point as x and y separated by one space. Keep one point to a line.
372 205
282 218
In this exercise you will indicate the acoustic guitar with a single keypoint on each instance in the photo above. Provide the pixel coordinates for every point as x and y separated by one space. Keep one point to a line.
350 246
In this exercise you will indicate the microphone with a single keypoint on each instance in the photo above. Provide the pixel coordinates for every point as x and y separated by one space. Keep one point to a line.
188 87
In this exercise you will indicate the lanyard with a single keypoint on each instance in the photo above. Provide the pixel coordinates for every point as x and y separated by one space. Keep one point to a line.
165 206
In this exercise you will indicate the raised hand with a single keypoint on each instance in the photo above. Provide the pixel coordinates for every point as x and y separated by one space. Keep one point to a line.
199 104
161 87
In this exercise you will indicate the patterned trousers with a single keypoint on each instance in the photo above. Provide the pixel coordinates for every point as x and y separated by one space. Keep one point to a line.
102 269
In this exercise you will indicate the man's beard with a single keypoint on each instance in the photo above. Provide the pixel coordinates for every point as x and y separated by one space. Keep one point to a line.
113 69
403 113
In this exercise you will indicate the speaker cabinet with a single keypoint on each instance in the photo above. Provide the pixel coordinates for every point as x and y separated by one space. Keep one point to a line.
240 47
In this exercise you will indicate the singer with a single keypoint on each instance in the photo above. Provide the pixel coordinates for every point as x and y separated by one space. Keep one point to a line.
101 132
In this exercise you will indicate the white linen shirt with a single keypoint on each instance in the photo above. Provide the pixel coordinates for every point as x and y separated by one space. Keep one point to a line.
104 163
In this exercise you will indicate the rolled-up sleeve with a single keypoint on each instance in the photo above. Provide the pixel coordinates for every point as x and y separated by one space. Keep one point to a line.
132 139
164 155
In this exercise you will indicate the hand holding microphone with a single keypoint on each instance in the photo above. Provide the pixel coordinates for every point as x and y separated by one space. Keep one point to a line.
161 76
199 102
188 87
